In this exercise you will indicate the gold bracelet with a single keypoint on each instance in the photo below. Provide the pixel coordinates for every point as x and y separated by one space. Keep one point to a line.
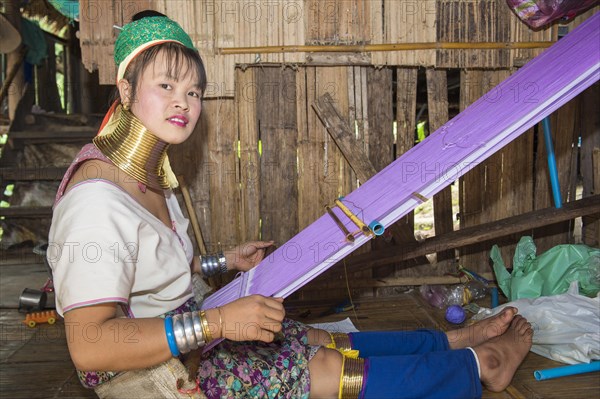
340 341
221 322
205 327
351 380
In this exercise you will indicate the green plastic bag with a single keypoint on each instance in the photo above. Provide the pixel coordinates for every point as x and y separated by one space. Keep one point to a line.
551 273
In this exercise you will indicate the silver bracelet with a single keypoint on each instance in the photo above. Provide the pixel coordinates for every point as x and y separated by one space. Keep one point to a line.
188 328
179 333
207 265
222 262
211 265
198 329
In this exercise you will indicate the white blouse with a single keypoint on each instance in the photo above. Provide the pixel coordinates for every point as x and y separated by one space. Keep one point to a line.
104 246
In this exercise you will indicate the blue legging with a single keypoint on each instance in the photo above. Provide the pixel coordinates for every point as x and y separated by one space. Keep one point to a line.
415 364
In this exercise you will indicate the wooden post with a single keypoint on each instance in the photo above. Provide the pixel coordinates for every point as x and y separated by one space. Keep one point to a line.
12 72
590 159
437 102
279 136
13 14
189 206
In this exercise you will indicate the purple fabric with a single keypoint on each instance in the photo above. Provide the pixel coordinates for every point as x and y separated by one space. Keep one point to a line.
537 13
543 85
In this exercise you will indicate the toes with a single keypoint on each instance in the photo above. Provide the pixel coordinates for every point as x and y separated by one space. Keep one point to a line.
526 329
517 323
508 313
521 326
511 309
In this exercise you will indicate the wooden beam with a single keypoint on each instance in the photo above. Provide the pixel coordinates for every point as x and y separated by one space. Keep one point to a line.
29 174
29 212
364 48
390 282
477 234
343 135
63 132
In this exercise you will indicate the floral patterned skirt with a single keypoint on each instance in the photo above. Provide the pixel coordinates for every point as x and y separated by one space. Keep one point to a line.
257 369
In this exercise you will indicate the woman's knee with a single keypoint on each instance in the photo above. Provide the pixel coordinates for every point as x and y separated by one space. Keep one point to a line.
329 358
325 369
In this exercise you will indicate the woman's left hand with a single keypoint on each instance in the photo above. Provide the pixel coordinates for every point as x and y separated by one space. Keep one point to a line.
244 257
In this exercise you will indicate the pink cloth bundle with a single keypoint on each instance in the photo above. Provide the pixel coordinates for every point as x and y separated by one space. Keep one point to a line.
537 13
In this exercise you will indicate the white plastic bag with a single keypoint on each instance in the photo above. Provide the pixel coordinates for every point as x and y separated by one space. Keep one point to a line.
566 326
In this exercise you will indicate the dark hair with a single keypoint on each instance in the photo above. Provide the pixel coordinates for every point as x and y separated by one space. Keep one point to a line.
147 13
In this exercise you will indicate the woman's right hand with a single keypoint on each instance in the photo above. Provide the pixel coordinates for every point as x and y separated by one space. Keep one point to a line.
252 318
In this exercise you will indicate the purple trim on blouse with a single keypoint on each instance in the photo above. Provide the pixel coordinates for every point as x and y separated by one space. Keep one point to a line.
94 302
126 309
88 151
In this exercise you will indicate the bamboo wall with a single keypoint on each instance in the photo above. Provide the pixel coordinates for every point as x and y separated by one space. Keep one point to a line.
221 26
262 165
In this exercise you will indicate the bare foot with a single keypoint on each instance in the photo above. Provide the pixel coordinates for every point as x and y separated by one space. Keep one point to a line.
481 331
500 358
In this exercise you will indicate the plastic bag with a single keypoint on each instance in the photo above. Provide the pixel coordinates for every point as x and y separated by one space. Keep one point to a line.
442 296
550 273
537 13
566 326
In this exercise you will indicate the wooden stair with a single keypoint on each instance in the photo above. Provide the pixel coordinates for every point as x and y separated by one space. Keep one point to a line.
28 212
63 129
15 174
66 134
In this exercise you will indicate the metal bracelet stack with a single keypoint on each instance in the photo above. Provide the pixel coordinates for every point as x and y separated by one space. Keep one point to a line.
190 330
212 265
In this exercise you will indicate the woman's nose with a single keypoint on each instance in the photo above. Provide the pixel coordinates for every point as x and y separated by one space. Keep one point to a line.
181 102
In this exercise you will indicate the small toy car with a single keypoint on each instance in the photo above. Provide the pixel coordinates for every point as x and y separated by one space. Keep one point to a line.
46 316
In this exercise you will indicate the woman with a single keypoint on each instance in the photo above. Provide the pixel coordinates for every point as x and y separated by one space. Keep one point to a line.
122 265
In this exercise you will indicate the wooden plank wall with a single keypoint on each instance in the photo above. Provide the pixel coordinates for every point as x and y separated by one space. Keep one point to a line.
501 186
217 26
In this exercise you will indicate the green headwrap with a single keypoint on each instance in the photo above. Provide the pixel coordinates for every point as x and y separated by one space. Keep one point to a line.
146 30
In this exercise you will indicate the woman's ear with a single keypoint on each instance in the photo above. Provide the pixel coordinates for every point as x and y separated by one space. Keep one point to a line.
124 92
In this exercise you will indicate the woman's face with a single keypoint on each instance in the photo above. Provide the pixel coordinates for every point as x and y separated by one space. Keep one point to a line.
168 107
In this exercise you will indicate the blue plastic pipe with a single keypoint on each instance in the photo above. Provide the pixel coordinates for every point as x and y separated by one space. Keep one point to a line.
552 163
556 372
495 298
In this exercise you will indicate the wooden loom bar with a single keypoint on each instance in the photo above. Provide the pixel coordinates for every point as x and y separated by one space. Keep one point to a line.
365 48
477 234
